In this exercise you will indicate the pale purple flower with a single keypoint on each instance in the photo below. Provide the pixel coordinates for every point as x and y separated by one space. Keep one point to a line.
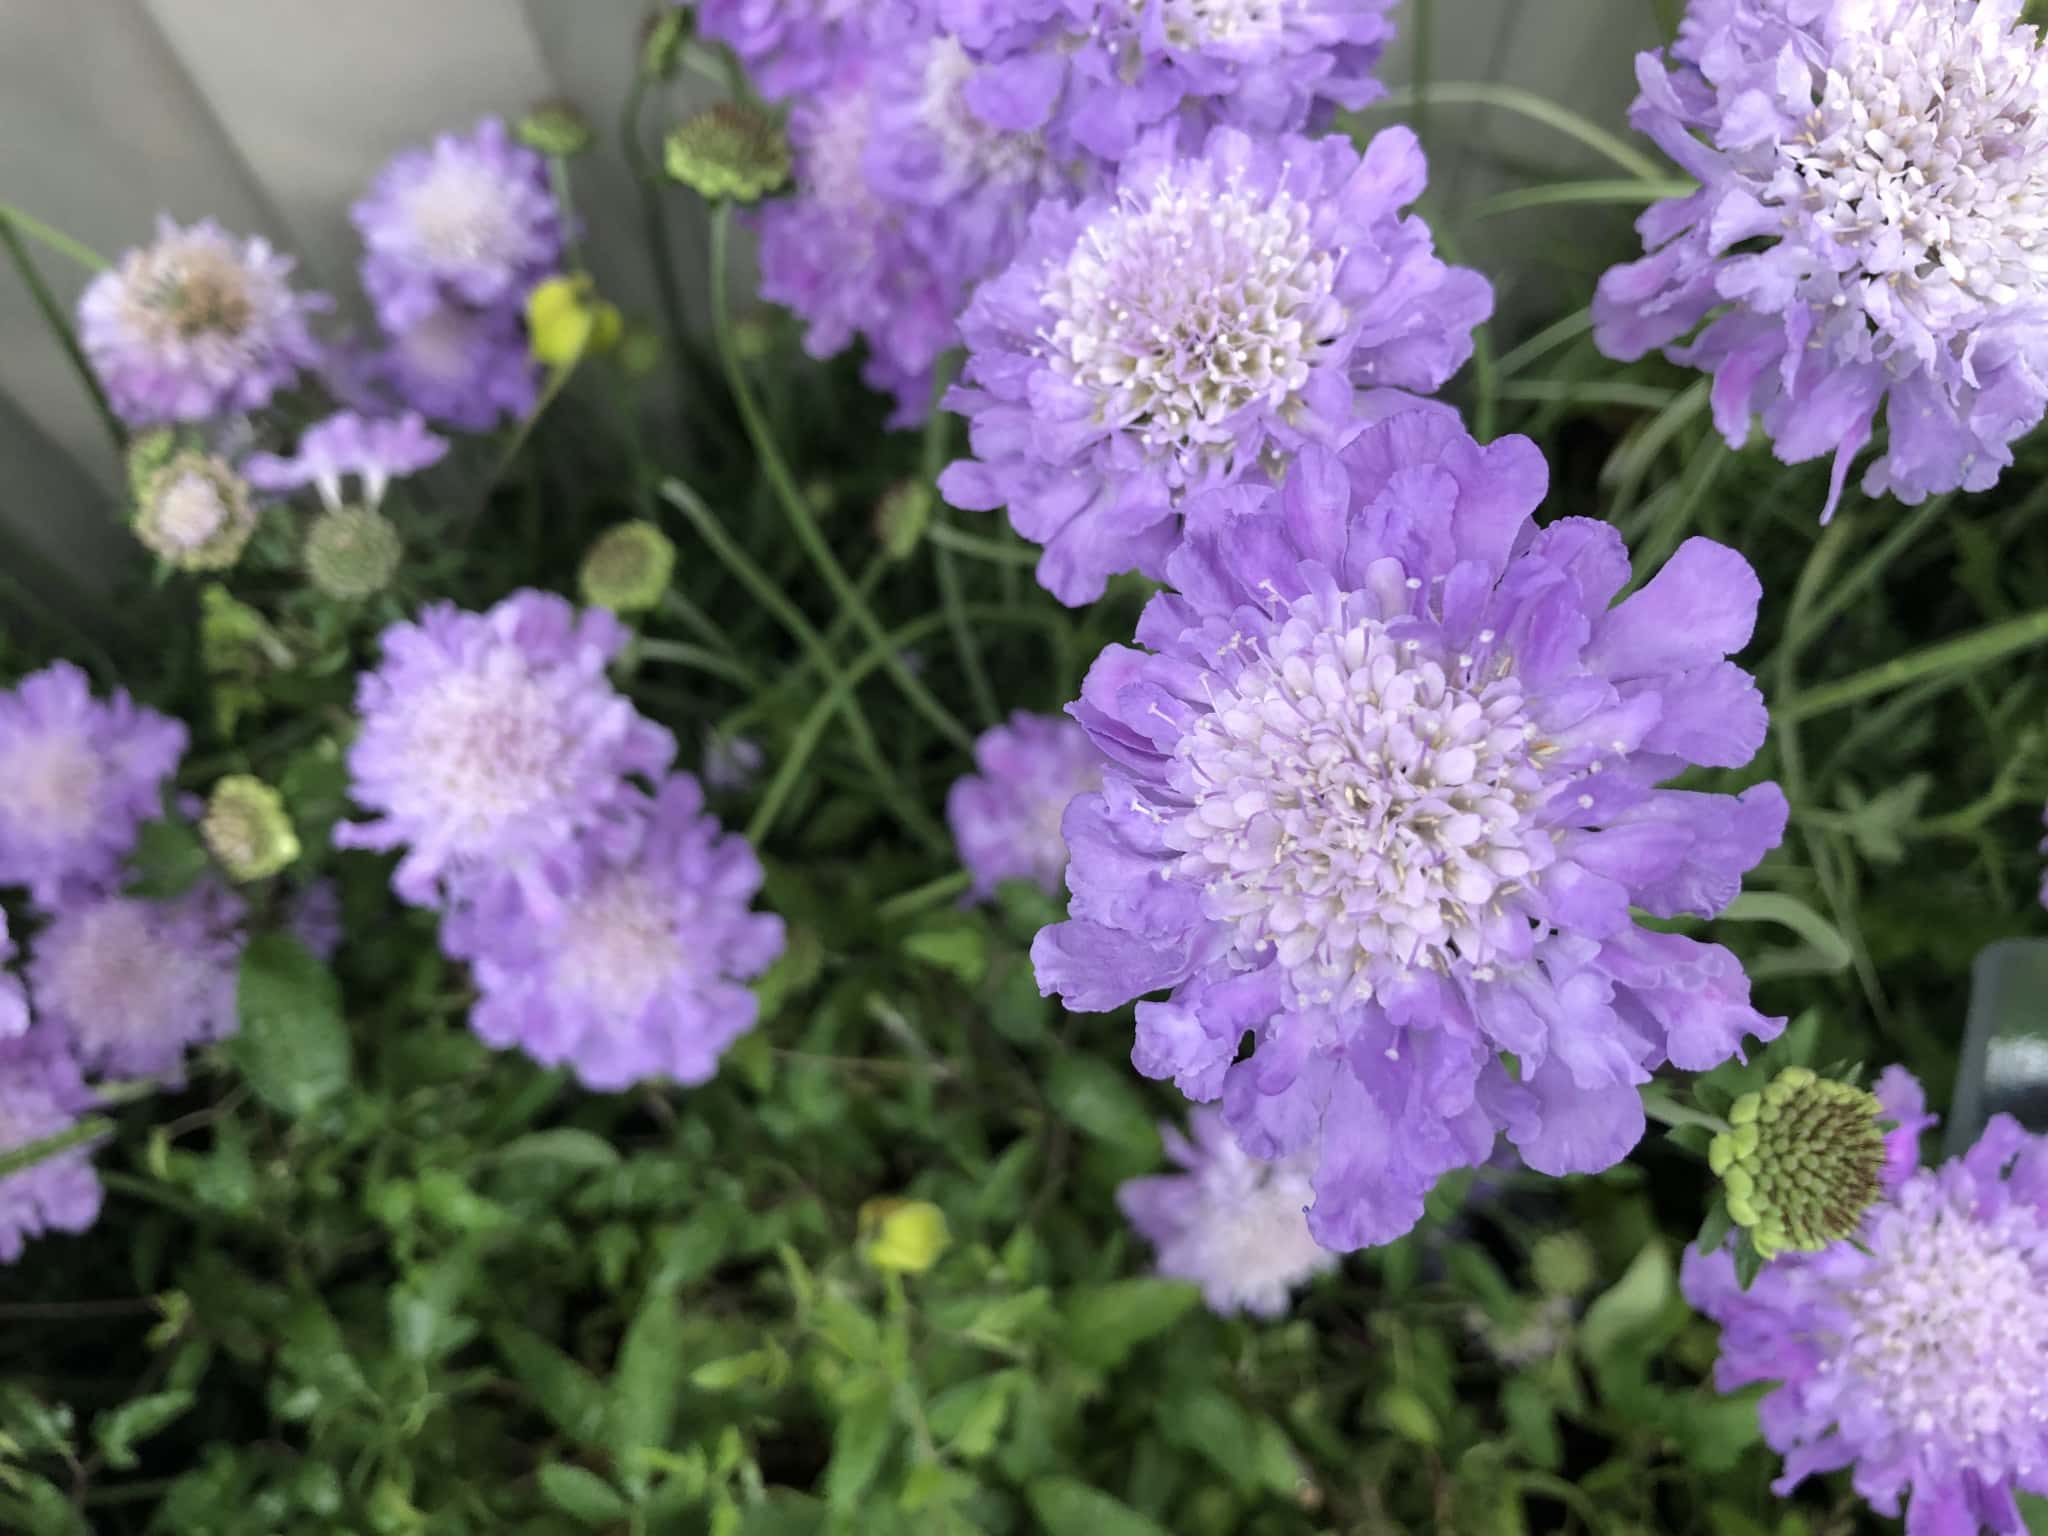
639 971
372 451
42 1095
1382 792
464 219
731 763
196 325
469 368
1913 1355
490 741
78 777
1232 1224
130 985
1217 314
313 917
1867 236
1095 75
790 47
13 1002
1006 817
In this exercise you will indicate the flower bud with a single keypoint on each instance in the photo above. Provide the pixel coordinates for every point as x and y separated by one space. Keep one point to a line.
732 150
352 553
194 513
901 517
661 46
1800 1161
248 830
904 1237
556 128
565 319
628 568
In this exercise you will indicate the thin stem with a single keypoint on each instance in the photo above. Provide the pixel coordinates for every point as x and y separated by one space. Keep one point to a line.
1589 392
794 506
1866 571
1551 337
936 433
1665 1110
975 546
55 239
696 657
1560 192
654 220
921 898
1527 104
565 205
1954 659
558 378
60 327
91 1128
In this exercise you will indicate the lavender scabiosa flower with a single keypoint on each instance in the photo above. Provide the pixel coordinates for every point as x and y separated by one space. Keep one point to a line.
490 741
345 446
640 971
130 985
1233 1224
1913 1354
1096 74
790 47
468 219
1217 313
198 324
1866 236
42 1095
13 1002
78 776
1382 792
469 368
1006 817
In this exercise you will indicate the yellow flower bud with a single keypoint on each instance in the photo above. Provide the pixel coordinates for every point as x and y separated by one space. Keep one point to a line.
904 1237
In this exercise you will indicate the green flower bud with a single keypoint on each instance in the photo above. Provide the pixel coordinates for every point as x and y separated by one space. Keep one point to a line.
904 1236
194 513
628 568
901 517
732 150
352 553
556 128
248 830
661 46
1799 1161
148 452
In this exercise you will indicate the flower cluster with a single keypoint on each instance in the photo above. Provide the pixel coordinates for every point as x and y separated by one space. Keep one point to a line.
1914 1352
607 927
455 234
1006 817
1383 794
1866 237
1231 1223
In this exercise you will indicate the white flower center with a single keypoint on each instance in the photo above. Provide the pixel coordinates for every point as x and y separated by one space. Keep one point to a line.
486 750
1179 309
1927 154
52 783
190 511
461 215
620 948
1358 799
968 143
1948 1335
1194 24
188 288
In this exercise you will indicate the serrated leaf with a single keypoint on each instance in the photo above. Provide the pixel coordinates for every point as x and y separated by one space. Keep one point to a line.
644 1398
292 1046
582 1495
1065 1507
1098 1099
572 1399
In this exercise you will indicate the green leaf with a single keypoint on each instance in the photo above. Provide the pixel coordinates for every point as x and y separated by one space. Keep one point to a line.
1097 1098
293 1046
573 1400
1214 1426
957 944
967 1418
1532 1419
582 1495
861 1442
1404 1411
1106 1322
1069 1508
169 860
644 1396
1632 1305
137 1419
1714 1431
564 1144
1824 952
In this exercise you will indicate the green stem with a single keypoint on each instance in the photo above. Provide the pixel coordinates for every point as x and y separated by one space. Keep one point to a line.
1637 191
60 327
565 204
794 506
933 893
1665 1110
91 1128
1866 571
976 547
1552 336
696 657
1527 104
55 239
1955 659
937 432
1589 392
654 220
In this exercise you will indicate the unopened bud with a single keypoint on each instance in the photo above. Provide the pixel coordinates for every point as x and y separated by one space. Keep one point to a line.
628 568
901 517
1800 1161
905 1237
556 128
248 830
732 150
352 553
194 513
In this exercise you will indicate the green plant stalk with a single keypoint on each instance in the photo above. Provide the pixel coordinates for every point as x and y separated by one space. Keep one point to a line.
1954 660
24 1157
647 182
937 431
60 327
1526 104
798 511
922 898
696 657
1576 192
54 238
1551 337
975 547
1666 1110
565 204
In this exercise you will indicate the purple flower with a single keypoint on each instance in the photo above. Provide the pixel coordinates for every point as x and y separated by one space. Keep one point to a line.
1866 236
78 776
198 324
468 219
1914 1354
1383 793
313 917
490 741
1096 74
1215 315
41 1095
791 47
1006 818
640 972
470 368
372 451
130 985
13 1003
1232 1224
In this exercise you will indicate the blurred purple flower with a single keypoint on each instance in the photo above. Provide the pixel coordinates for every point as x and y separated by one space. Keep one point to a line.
640 972
371 451
42 1095
1216 314
1383 793
13 1001
491 741
1868 232
1913 1354
1006 817
469 368
78 776
313 917
790 47
1232 1224
198 324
